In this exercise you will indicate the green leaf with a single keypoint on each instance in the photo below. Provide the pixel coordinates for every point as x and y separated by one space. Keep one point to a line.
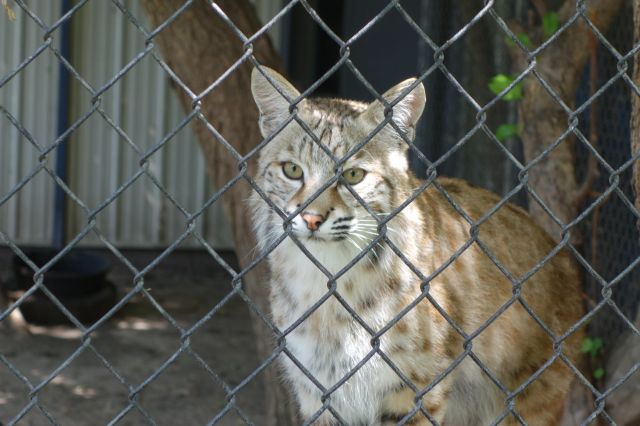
596 345
506 131
591 346
500 82
598 373
523 37
550 24
514 94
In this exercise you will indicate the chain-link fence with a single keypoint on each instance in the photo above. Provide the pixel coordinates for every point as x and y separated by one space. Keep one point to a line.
611 254
611 288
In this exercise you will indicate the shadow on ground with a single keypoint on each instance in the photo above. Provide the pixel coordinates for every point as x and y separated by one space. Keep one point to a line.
136 343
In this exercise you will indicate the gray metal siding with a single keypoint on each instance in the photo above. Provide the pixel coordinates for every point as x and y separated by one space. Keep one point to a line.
31 97
142 104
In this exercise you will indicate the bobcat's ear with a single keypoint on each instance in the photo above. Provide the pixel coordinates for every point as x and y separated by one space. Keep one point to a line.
406 112
273 107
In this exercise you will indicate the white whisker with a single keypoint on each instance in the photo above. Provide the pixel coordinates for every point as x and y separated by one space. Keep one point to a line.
366 231
353 242
367 241
372 224
360 249
372 229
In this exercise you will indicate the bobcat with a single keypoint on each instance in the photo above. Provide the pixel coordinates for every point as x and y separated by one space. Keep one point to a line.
425 367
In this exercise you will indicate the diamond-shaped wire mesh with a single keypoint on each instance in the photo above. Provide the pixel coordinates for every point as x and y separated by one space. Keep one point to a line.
606 217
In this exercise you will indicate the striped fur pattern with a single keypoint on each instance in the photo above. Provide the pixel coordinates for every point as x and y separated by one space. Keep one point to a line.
424 344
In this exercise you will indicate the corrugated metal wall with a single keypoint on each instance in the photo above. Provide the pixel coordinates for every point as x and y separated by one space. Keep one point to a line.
142 104
31 97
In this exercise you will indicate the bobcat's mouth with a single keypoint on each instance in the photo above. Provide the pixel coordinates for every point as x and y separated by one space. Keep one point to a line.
309 235
316 237
321 237
357 231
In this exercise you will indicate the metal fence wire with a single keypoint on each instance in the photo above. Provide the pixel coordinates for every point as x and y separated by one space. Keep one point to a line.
609 253
613 180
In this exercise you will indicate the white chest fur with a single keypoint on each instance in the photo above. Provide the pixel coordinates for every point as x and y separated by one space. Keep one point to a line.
330 343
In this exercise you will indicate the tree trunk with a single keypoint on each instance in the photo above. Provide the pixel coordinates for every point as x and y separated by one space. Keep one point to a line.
199 47
543 120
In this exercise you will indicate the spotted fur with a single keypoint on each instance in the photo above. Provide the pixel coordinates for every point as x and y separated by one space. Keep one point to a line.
431 375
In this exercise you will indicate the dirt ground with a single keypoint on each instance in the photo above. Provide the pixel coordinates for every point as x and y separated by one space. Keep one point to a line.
137 341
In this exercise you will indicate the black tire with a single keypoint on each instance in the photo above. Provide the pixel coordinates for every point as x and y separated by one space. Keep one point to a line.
38 309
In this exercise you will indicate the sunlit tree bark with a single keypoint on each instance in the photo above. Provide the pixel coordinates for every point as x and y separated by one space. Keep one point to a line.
199 47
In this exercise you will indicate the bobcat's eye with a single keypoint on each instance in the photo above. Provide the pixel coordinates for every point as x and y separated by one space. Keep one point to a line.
292 170
353 176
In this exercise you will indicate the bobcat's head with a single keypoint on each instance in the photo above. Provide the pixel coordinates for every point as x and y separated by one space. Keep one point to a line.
297 173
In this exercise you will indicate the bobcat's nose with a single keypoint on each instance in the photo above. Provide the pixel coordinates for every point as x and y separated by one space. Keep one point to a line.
312 220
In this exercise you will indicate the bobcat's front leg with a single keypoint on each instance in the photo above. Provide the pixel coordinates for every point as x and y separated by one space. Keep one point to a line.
402 401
